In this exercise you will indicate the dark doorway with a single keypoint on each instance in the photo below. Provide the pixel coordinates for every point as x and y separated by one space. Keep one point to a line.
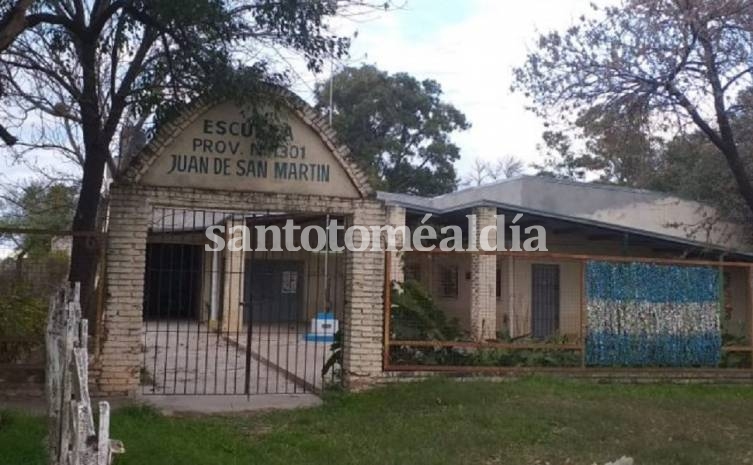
545 300
273 291
173 281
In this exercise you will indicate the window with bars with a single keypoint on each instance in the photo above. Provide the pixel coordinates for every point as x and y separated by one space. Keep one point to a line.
413 272
448 281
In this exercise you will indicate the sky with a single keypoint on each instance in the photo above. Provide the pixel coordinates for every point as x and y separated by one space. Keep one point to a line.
470 47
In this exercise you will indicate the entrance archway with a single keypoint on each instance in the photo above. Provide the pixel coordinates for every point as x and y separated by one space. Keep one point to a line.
199 172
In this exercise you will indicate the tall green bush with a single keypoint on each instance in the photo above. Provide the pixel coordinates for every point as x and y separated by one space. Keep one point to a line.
23 315
26 285
415 315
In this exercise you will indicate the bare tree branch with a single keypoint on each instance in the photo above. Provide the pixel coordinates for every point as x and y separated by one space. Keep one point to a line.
13 24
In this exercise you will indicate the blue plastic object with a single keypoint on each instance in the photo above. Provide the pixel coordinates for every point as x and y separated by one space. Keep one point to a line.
322 337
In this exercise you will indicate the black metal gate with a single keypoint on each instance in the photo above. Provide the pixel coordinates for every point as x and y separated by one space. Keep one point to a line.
244 322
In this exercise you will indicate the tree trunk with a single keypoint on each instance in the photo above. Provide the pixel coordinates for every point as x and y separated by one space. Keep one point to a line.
13 23
11 26
726 141
85 251
740 174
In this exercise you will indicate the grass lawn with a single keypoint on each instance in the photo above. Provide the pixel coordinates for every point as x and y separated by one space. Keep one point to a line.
532 421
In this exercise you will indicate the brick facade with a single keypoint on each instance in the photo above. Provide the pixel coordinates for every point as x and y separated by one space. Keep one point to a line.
120 357
131 205
131 208
483 278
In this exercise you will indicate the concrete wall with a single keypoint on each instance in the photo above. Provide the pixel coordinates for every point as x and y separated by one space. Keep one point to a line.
513 305
632 208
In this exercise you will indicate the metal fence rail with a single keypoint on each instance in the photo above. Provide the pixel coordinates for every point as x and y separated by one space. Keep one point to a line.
571 312
33 265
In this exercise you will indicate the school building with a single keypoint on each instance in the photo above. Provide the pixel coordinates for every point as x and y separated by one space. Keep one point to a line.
179 319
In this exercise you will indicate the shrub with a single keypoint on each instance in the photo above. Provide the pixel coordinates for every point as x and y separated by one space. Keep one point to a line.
23 315
26 285
415 316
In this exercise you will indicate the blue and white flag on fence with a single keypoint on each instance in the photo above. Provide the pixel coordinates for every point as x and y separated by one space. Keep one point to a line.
642 314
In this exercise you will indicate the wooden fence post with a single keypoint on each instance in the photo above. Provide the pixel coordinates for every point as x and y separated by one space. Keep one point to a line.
72 437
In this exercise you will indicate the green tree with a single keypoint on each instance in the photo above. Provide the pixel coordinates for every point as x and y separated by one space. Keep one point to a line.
398 128
692 168
681 63
98 69
31 273
618 148
36 206
686 164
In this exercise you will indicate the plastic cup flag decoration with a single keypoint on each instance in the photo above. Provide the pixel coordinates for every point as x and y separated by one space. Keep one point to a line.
642 314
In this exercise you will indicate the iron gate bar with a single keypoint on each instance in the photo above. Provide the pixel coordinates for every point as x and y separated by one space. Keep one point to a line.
582 316
237 329
191 333
579 257
247 372
486 345
316 309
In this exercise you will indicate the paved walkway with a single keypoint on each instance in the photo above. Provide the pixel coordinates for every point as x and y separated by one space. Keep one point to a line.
284 347
183 357
187 358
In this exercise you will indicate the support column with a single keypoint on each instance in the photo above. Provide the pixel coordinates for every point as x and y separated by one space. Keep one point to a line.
214 296
484 278
120 357
364 305
233 272
396 218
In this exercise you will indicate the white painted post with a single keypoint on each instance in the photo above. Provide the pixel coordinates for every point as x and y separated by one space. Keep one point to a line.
73 439
215 296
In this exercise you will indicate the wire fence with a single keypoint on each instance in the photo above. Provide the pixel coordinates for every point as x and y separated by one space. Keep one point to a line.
33 265
449 312
566 311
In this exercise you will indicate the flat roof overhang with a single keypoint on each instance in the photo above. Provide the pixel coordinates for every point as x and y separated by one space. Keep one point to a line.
594 229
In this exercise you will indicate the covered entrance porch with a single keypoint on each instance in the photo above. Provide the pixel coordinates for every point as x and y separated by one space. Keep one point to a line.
255 321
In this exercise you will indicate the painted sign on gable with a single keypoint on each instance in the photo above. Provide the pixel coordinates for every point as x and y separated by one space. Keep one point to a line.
218 151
